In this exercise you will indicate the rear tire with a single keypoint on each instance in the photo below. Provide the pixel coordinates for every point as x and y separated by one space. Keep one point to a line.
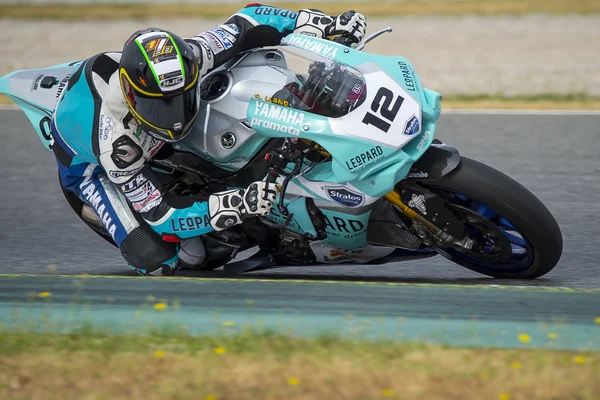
516 205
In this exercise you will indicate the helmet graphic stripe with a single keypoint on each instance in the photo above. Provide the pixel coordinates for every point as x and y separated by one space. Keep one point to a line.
139 43
178 55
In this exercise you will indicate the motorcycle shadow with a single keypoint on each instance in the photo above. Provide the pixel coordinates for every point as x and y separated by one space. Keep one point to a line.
316 277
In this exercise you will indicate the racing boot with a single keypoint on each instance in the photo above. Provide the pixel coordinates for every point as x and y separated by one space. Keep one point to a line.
191 254
168 268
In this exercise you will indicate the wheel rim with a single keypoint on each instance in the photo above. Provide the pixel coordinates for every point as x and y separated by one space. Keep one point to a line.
515 253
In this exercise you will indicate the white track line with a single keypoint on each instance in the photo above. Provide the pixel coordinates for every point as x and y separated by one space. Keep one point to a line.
10 107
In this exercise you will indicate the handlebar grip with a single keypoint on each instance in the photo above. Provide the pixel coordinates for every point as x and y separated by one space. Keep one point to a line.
272 177
344 40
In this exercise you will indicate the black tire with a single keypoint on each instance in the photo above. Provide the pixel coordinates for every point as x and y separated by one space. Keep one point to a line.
516 204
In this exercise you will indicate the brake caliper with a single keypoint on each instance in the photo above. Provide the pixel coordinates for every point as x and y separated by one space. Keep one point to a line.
431 207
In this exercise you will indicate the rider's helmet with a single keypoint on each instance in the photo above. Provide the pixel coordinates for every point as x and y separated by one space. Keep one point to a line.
329 90
158 72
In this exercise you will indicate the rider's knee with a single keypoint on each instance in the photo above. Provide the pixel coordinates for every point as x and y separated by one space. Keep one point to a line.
145 250
192 252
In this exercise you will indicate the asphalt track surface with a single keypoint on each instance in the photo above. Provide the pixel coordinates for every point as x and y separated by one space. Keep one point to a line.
555 156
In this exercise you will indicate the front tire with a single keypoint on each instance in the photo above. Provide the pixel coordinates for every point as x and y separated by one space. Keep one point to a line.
482 197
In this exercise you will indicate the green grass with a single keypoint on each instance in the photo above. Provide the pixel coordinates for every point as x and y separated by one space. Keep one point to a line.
371 9
88 365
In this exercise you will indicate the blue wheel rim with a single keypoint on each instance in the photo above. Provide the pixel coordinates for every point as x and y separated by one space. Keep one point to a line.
522 254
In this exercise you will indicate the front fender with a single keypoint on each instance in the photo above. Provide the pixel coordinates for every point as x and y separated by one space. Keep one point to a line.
439 160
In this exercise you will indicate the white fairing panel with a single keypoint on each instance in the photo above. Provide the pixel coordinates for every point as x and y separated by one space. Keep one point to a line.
389 116
324 190
26 85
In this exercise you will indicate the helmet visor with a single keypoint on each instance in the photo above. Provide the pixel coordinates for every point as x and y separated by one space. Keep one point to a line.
171 117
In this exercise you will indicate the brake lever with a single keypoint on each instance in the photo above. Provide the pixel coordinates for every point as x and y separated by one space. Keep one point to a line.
374 35
278 160
283 209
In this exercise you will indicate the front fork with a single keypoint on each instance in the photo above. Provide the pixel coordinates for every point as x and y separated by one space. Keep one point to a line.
427 230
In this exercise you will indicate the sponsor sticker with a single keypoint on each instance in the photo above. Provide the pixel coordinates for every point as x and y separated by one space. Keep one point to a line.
150 144
267 10
284 120
36 82
159 47
257 122
207 50
138 132
122 173
344 228
363 159
418 202
423 140
149 203
222 38
62 84
412 126
407 75
215 45
134 183
357 91
170 79
142 194
225 33
193 223
314 46
93 197
232 28
106 127
345 197
418 174
284 115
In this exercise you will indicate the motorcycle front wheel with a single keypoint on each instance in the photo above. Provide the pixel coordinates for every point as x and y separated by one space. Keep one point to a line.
514 234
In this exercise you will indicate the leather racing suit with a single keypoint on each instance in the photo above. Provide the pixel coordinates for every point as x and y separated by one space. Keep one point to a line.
103 155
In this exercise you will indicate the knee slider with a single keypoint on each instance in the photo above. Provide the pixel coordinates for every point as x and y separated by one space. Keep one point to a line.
192 252
144 249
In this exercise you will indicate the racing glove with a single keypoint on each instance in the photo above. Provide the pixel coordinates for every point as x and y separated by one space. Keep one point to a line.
229 208
350 24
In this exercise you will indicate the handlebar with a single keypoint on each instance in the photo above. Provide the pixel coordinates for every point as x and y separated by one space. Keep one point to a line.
344 40
277 162
272 177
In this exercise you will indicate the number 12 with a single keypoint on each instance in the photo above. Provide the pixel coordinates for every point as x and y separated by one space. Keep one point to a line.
385 111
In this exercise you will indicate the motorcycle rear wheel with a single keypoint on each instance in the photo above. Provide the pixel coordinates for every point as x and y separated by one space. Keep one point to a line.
515 235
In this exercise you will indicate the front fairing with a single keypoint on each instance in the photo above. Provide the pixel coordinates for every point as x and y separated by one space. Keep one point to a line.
374 145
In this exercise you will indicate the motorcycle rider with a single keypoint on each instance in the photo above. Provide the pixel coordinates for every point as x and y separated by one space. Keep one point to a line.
119 109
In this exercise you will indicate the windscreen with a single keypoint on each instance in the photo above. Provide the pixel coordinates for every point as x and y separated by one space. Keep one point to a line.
319 84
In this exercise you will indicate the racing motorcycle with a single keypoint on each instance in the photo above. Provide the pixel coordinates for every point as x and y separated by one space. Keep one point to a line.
350 138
